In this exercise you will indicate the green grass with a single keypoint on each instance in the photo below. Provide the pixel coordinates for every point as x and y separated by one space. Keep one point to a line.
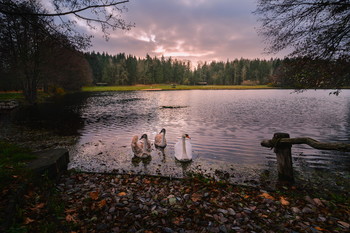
170 87
12 163
11 96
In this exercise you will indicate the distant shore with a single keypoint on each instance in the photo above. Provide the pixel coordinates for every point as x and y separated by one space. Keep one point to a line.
158 87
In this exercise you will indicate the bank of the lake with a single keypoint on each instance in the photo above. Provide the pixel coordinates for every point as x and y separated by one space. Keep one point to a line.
175 87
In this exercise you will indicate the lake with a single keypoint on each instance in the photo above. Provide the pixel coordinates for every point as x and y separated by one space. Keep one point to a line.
225 126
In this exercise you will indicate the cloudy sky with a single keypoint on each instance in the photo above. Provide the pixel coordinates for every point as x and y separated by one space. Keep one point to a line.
196 30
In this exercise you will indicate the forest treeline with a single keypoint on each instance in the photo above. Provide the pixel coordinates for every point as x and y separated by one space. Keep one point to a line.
124 69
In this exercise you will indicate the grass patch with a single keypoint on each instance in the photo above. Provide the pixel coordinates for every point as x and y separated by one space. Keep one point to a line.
35 206
12 163
177 87
11 96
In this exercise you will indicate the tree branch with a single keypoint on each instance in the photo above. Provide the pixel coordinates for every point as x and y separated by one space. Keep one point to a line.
16 12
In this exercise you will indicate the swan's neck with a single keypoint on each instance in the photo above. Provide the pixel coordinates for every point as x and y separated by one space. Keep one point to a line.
144 144
163 139
184 146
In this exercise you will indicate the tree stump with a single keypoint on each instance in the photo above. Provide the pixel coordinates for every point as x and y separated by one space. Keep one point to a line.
284 158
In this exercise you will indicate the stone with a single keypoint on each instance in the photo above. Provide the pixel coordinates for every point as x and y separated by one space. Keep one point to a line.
344 224
296 210
51 162
307 210
172 201
222 211
231 211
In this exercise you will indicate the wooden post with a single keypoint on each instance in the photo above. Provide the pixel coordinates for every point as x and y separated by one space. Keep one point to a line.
284 158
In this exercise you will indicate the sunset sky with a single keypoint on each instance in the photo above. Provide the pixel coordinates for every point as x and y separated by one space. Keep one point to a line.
196 30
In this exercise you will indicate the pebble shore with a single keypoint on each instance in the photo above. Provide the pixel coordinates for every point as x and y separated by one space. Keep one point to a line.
127 203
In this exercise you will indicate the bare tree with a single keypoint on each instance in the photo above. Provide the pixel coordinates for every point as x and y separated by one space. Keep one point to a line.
65 15
313 28
27 26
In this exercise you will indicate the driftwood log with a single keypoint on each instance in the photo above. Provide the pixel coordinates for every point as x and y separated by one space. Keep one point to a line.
282 144
309 141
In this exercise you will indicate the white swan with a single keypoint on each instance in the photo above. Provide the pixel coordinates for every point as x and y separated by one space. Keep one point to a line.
141 147
183 149
159 139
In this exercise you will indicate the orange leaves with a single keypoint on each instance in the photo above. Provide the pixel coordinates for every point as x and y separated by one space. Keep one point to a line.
320 229
71 218
102 203
267 196
38 206
94 195
146 181
196 197
177 220
121 194
284 201
28 221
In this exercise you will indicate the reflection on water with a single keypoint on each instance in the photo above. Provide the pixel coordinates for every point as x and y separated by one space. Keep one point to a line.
226 127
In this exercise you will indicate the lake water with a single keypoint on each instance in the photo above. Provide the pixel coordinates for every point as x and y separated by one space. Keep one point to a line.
225 126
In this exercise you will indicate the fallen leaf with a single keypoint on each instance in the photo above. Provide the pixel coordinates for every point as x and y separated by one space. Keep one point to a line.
320 229
267 196
284 201
121 194
177 220
70 211
70 218
94 195
318 202
146 181
246 196
28 220
215 190
38 206
102 203
196 197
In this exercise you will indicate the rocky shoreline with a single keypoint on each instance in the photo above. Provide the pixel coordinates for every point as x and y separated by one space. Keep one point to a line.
127 203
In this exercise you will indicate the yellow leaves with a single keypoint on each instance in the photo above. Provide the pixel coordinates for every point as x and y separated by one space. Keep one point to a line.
94 195
121 194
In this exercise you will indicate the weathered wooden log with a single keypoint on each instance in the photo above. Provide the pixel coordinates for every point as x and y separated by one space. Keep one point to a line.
283 152
309 141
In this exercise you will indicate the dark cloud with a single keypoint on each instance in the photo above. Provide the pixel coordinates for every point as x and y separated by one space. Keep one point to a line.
196 30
